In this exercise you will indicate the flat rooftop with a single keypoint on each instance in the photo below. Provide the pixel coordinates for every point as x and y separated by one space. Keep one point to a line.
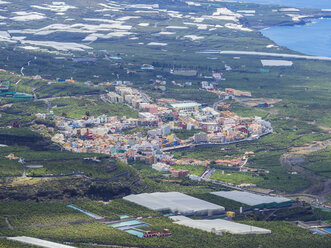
175 202
219 226
185 105
250 199
274 62
39 242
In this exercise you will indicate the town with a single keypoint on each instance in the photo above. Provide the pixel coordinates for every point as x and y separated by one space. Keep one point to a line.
107 134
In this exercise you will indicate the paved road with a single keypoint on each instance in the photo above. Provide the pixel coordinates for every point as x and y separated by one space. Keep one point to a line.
284 55
191 145
208 173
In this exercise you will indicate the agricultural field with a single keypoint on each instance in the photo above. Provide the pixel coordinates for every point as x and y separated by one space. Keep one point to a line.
185 134
3 222
115 208
320 162
64 174
14 244
55 163
193 169
235 177
283 234
76 108
31 213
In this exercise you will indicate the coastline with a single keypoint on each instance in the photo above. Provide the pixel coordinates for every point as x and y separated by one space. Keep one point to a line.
303 21
310 38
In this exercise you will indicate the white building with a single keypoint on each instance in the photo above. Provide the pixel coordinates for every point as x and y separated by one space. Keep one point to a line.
177 203
115 98
161 167
38 242
187 106
165 130
146 116
200 137
195 178
206 85
254 200
211 112
219 226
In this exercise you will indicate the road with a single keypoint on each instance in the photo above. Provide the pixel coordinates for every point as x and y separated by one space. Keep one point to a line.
192 145
22 69
284 55
253 53
208 173
231 186
216 104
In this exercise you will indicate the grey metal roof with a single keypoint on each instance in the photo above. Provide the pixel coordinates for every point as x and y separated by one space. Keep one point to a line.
250 199
39 242
219 226
175 202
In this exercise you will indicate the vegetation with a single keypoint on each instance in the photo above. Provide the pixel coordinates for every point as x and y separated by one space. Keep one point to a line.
114 208
142 130
193 169
320 162
235 177
185 134
77 108
14 244
32 213
284 234
55 162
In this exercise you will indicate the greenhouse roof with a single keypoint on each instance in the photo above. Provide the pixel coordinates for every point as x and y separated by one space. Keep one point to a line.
250 199
219 226
175 202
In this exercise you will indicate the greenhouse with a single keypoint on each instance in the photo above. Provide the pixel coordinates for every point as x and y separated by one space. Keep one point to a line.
176 203
38 242
255 200
219 226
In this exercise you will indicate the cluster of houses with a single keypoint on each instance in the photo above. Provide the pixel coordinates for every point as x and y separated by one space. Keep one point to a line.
159 166
108 134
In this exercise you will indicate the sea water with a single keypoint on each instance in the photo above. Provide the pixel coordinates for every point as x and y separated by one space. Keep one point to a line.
312 39
315 4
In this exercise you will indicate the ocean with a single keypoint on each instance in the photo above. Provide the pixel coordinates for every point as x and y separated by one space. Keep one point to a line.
315 4
311 39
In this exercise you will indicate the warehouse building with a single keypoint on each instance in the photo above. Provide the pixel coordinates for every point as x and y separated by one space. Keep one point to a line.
255 200
219 226
187 106
38 242
177 203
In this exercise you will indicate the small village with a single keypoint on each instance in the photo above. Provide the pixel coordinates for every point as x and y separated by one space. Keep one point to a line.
108 134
